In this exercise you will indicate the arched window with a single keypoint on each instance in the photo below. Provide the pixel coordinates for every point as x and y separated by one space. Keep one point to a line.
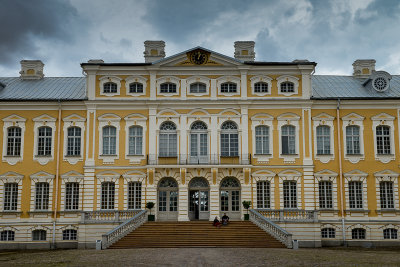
228 87
261 87
107 195
198 142
109 140
14 141
168 88
383 140
74 141
229 139
352 140
110 87
70 234
7 235
262 140
136 87
263 195
135 140
290 194
39 235
287 87
328 233
288 139
390 233
358 233
198 88
44 141
323 140
168 140
134 195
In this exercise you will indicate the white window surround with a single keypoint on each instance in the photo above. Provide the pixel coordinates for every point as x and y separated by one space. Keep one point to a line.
324 119
330 176
387 120
387 176
72 177
135 120
168 79
108 119
135 79
356 176
113 79
261 78
290 175
262 120
133 176
198 79
355 226
11 177
225 79
160 119
356 120
336 227
41 177
13 121
73 120
236 119
108 176
288 78
289 119
41 121
265 175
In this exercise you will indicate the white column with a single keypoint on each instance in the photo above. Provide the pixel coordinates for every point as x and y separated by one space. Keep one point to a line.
183 139
153 88
213 89
243 83
152 132
183 88
214 138
245 133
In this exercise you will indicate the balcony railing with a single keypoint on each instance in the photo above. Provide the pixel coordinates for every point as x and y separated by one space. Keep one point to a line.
187 159
113 216
289 215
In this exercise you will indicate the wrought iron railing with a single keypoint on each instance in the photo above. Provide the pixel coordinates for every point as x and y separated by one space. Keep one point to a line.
290 215
100 216
209 159
273 229
123 229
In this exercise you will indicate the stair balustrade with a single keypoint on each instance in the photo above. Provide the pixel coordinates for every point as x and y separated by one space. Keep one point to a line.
101 216
123 229
289 215
271 228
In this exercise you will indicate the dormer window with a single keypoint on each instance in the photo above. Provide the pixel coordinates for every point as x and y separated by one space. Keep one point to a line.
228 87
261 87
136 88
287 87
198 88
168 88
110 88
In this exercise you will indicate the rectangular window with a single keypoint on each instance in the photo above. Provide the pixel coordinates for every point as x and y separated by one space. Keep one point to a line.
325 195
262 140
229 145
263 195
383 140
72 196
39 235
173 200
42 196
135 140
44 141
70 234
10 196
224 200
74 141
323 140
328 233
289 195
353 140
7 235
356 195
162 201
109 140
288 140
386 193
168 145
134 195
107 195
390 233
14 141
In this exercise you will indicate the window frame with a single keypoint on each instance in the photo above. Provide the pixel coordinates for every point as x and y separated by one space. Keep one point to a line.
137 120
74 120
288 78
387 176
390 233
353 119
290 176
108 196
7 235
10 203
168 79
72 198
293 120
324 120
13 121
231 136
136 79
263 193
41 177
171 138
261 78
384 119
330 233
197 79
39 122
230 79
106 79
134 189
327 176
358 233
69 234
40 236
262 119
109 119
71 177
42 197
11 177
327 197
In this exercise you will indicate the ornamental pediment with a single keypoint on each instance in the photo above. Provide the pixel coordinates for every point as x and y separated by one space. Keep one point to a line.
134 117
74 117
198 112
288 116
387 173
356 173
263 173
262 117
353 117
71 174
325 172
322 117
44 117
14 118
382 116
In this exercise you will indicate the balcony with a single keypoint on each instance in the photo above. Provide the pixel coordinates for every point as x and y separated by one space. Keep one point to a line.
187 159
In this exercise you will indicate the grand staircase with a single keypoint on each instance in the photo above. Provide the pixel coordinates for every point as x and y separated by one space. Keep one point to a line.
197 234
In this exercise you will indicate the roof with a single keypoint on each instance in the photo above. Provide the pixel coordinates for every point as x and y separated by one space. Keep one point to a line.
348 87
48 88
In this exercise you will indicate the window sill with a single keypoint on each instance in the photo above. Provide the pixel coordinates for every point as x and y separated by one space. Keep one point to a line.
72 156
229 156
40 212
289 154
70 211
108 155
321 155
166 156
135 155
11 156
354 155
43 156
5 212
357 210
257 155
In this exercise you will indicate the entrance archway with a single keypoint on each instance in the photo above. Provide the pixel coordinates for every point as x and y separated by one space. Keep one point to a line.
199 199
168 200
230 198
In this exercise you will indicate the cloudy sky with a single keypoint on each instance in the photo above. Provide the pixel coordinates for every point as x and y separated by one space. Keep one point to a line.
64 33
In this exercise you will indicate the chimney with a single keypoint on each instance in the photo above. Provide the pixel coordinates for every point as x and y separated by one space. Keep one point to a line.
244 50
31 69
153 51
363 68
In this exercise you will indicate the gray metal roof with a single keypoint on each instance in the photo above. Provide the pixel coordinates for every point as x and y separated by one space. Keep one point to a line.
48 88
347 87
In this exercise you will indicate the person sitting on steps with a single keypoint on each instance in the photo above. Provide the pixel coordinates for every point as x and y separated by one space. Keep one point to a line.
225 219
216 222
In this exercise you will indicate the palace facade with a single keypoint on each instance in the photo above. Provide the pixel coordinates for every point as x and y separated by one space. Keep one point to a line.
197 133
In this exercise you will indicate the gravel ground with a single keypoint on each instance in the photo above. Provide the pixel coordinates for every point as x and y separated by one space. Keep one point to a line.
205 257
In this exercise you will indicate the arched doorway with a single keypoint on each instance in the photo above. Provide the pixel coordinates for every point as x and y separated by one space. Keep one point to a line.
167 200
230 198
199 199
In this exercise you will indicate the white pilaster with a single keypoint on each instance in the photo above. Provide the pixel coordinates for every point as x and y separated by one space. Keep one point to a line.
183 90
153 88
183 138
245 132
213 89
243 83
152 131
214 136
